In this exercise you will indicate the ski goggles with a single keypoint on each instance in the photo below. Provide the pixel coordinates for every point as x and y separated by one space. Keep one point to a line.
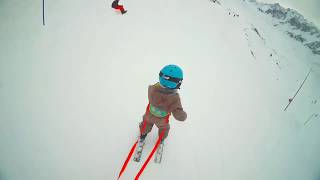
169 78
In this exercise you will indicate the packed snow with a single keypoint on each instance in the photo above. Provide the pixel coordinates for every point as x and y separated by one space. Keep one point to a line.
72 92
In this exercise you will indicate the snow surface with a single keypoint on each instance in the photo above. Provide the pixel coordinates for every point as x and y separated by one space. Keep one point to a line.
72 92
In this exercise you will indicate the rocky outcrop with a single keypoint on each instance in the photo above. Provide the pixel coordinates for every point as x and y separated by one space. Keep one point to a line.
299 28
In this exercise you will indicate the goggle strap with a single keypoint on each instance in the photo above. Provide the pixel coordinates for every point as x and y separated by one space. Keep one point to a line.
169 78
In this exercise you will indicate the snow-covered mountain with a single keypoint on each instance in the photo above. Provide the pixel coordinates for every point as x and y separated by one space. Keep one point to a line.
73 92
293 24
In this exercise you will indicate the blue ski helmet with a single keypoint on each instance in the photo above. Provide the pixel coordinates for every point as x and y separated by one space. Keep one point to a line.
171 76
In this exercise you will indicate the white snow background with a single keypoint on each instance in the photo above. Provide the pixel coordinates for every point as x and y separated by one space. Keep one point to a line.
72 92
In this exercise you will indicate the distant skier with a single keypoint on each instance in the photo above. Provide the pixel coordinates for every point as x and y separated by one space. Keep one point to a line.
164 100
115 5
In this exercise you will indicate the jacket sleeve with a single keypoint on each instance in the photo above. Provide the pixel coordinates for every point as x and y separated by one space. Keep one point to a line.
178 112
152 96
149 93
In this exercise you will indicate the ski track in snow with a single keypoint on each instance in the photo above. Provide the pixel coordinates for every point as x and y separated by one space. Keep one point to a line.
72 92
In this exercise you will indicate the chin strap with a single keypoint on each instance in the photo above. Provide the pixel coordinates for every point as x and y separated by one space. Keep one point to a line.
178 85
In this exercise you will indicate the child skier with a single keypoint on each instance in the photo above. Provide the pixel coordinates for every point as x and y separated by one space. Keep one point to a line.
115 5
163 100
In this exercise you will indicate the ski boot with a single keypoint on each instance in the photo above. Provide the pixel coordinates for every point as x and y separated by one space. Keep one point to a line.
139 149
158 155
123 11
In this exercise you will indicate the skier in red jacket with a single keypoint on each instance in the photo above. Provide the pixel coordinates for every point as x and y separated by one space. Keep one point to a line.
115 5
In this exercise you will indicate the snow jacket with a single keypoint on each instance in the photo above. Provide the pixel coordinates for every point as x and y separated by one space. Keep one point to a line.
164 101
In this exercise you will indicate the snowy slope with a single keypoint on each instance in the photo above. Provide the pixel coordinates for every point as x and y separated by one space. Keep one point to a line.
72 92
